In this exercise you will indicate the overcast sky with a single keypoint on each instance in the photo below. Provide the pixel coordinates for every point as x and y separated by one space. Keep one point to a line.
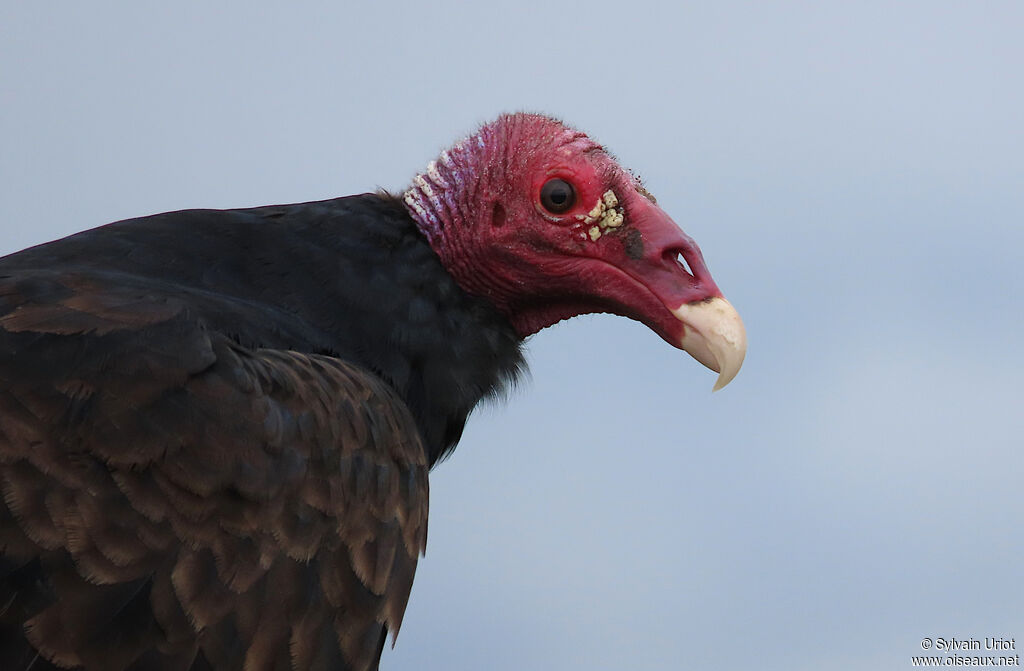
854 173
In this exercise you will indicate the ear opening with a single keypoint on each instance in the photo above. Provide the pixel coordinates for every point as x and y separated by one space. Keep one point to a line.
497 215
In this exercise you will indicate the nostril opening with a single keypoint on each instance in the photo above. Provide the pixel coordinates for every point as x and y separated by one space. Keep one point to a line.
682 262
676 256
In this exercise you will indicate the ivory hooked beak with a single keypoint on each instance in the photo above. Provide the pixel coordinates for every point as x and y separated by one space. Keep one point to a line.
714 336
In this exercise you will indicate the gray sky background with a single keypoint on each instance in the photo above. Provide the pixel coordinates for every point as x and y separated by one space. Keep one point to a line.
854 173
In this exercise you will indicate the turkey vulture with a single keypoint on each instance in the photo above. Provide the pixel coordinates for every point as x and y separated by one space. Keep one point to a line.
216 425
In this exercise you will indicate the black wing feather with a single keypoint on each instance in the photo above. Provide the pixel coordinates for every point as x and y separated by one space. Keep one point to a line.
174 500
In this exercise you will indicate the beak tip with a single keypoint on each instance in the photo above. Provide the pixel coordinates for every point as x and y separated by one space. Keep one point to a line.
715 336
724 379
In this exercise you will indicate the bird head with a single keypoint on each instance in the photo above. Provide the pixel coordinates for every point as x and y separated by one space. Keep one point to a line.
543 222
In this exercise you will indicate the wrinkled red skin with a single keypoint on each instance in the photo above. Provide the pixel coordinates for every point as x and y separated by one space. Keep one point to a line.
499 241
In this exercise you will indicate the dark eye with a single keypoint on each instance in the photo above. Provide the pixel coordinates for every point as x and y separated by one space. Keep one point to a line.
557 196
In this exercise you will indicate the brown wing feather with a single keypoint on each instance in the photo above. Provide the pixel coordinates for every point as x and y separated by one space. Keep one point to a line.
173 500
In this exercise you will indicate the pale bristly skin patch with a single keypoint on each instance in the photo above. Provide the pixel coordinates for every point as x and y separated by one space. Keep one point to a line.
606 213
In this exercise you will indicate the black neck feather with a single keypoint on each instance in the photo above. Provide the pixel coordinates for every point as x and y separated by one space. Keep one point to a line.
350 277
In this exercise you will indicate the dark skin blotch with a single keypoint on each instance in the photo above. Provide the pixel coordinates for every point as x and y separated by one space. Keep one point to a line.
634 244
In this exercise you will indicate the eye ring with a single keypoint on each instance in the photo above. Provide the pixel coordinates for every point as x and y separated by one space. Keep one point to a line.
557 196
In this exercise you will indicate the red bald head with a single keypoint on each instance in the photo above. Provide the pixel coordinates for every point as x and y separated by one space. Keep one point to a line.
542 221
